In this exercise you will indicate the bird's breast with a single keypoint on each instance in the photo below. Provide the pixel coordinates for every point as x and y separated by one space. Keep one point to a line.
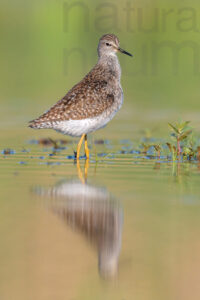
118 98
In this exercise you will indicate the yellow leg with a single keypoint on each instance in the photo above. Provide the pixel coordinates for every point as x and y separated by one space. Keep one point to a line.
82 178
79 146
87 152
86 168
80 174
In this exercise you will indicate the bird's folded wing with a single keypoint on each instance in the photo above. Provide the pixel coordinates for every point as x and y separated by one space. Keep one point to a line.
87 99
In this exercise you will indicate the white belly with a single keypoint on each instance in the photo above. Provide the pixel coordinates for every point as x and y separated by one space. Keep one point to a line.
79 127
85 126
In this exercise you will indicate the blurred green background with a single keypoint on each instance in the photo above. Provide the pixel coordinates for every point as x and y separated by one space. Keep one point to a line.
48 46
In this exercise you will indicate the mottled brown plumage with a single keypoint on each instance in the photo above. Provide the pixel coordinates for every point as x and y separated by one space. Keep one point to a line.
89 98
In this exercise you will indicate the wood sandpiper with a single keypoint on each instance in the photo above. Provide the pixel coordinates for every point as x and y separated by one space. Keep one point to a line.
91 103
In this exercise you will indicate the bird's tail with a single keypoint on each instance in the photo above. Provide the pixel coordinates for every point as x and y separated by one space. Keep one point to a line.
37 124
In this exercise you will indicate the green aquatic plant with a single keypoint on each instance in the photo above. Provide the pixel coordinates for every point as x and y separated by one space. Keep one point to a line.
181 132
146 147
173 151
198 153
157 149
188 152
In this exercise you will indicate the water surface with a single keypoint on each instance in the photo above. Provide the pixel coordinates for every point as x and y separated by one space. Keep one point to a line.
128 230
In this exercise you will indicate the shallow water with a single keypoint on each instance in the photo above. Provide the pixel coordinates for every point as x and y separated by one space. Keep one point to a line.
123 226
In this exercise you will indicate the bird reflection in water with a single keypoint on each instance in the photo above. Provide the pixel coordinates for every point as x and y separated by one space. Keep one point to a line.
93 212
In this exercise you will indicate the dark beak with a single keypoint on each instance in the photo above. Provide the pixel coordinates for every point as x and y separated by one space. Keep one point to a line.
125 52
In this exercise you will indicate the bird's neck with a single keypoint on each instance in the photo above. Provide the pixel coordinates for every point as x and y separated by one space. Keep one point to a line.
111 65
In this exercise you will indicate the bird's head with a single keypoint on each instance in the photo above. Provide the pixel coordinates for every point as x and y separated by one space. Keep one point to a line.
109 45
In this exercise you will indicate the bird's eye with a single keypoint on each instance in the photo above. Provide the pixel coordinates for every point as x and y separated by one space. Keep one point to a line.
107 44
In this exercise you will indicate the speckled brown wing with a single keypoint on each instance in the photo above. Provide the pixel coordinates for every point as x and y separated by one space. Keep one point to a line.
89 98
